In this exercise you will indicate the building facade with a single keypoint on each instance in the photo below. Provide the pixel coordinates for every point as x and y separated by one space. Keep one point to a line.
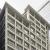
22 32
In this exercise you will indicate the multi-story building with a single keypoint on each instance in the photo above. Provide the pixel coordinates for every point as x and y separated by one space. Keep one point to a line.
22 32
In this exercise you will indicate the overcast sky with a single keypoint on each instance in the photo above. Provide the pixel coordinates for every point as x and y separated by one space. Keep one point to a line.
20 5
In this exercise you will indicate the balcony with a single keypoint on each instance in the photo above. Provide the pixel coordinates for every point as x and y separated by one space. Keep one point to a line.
26 31
43 48
19 40
38 34
32 29
43 32
11 12
26 45
33 42
18 25
11 35
37 23
43 28
26 23
37 28
32 18
11 20
32 48
19 18
11 43
38 40
43 38
26 38
32 25
18 47
9 48
11 28
39 47
32 36
19 33
44 44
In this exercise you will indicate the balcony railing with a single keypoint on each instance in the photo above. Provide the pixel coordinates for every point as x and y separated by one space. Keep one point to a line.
11 20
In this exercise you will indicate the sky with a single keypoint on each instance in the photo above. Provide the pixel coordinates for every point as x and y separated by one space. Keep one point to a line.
45 12
20 6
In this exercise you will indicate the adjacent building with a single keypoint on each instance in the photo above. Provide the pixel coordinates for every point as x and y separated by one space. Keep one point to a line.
49 43
22 32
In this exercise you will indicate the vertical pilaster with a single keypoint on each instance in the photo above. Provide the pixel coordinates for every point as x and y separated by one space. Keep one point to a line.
6 11
23 33
15 31
28 15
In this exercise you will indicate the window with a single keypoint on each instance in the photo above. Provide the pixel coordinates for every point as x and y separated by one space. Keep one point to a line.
38 28
10 11
38 46
19 40
32 29
11 20
19 32
18 17
26 44
25 49
43 48
38 40
44 38
26 31
31 18
46 27
43 43
38 23
32 42
26 38
42 32
26 23
18 47
32 13
9 48
42 27
38 34
11 27
32 48
18 25
11 43
32 24
11 35
32 35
